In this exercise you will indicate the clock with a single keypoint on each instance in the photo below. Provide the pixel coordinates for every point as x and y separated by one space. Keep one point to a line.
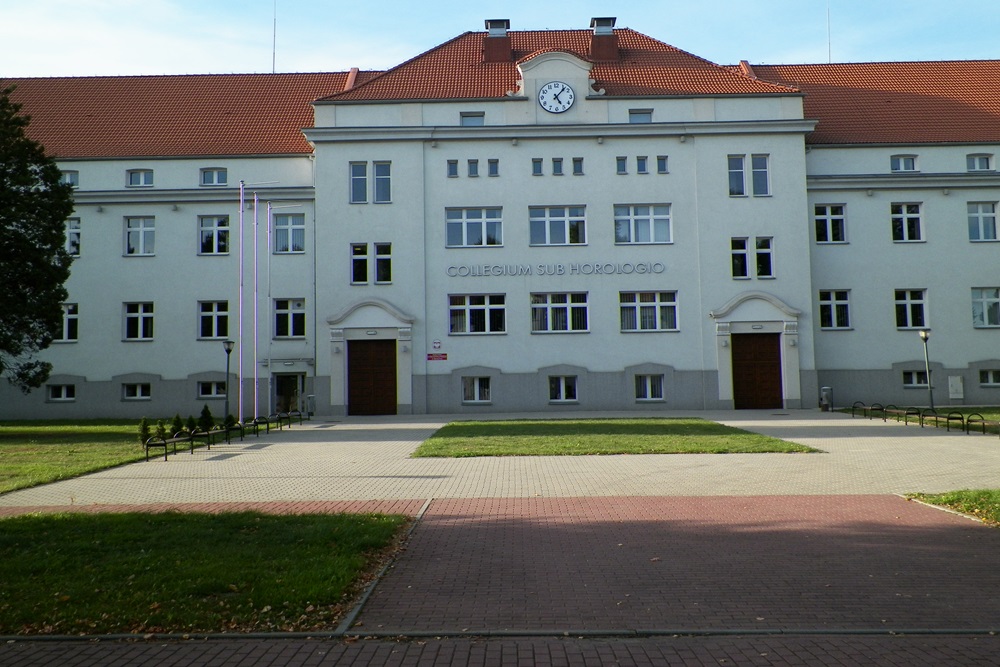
556 97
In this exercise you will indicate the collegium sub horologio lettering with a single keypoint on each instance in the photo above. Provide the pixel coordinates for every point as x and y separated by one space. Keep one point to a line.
582 269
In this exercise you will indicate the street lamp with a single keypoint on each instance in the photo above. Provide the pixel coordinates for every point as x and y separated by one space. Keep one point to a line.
924 335
228 346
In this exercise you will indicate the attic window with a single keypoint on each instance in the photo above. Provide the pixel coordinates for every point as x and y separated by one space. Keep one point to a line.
640 115
979 162
473 119
902 163
139 178
70 178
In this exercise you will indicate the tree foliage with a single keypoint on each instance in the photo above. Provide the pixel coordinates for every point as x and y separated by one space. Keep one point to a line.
34 264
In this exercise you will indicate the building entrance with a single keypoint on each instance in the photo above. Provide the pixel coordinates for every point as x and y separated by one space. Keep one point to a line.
757 371
371 377
288 388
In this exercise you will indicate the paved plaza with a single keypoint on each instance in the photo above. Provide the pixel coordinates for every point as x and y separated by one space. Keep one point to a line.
762 559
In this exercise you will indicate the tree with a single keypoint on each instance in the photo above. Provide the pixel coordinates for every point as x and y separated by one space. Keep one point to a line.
34 263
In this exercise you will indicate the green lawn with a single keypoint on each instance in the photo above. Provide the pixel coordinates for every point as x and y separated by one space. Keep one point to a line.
33 453
561 437
185 573
984 504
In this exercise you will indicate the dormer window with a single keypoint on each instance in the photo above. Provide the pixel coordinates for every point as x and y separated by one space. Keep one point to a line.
979 162
902 163
139 178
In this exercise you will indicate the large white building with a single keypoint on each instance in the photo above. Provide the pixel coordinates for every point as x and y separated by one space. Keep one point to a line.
526 220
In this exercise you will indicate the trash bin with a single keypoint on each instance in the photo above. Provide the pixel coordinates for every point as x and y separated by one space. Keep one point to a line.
826 399
310 405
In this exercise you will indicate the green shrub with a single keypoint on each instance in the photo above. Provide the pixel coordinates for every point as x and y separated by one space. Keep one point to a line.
144 431
206 422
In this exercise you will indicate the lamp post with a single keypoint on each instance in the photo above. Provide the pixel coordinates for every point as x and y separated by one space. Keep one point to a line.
924 335
228 346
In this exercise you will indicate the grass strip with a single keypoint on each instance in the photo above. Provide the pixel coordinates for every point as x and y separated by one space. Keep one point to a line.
186 573
575 437
983 504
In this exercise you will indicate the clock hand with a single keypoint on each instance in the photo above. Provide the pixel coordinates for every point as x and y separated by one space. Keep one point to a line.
556 96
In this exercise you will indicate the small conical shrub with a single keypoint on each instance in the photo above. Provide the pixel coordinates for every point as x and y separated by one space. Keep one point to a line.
144 431
206 422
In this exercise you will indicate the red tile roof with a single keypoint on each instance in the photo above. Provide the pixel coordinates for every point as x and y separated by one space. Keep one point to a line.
897 103
455 70
133 116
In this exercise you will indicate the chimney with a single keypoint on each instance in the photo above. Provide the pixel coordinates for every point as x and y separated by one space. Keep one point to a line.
496 44
604 42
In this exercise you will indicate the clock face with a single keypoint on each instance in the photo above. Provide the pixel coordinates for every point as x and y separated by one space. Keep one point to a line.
556 97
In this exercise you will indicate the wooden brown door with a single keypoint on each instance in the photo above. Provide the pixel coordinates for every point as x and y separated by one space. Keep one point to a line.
371 377
756 371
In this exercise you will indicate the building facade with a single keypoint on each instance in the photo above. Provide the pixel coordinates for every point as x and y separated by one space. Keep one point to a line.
526 221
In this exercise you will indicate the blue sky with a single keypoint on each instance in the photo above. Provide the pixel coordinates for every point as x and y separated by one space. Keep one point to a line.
101 37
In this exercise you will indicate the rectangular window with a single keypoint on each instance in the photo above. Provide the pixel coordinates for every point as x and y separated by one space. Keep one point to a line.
61 393
477 313
213 319
70 177
452 170
914 378
289 233
640 115
473 168
474 227
661 164
763 253
979 162
383 182
559 312
831 223
73 237
649 387
642 223
641 164
70 323
359 263
473 118
213 231
383 263
990 377
536 166
910 305
138 321
359 182
557 166
476 390
139 178
214 176
761 178
902 163
578 166
834 309
136 391
289 318
140 236
493 167
648 311
557 225
986 307
737 176
740 258
621 165
982 221
211 390
906 222
364 255
562 388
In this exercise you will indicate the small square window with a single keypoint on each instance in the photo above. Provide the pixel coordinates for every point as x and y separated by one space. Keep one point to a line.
557 166
990 377
136 391
61 393
661 164
621 165
493 167
70 178
562 389
642 164
578 166
536 166
452 169
476 390
473 168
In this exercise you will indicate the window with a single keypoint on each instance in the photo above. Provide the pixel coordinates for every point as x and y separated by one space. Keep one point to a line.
452 169
360 256
73 237
61 393
139 178
905 222
990 377
578 166
765 266
737 179
289 233
383 182
136 391
473 118
831 223
641 223
661 164
979 162
473 168
648 311
213 319
759 175
493 167
562 388
70 178
902 163
536 166
761 180
914 378
982 221
213 231
557 225
289 318
70 323
211 390
557 166
834 309
474 227
477 313
140 236
475 390
621 165
640 115
138 321
986 306
910 309
214 176
559 312
740 261
382 178
641 164
649 387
